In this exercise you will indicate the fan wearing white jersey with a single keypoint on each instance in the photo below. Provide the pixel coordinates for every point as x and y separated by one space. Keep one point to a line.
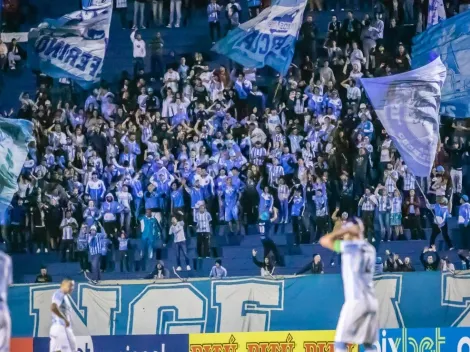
61 334
359 321
5 320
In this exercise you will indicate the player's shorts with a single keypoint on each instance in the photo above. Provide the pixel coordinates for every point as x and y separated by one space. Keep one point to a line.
231 212
358 323
5 332
62 339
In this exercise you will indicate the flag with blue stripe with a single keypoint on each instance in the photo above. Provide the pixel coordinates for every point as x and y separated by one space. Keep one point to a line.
407 104
449 39
268 39
74 45
15 136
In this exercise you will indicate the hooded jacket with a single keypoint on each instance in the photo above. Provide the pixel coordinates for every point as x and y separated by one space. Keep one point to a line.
110 209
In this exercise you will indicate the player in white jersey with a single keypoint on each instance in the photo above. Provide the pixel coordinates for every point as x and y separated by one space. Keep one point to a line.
359 321
5 320
61 333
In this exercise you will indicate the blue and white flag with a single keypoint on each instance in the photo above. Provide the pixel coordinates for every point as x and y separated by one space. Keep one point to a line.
74 45
407 104
436 12
449 39
268 39
15 136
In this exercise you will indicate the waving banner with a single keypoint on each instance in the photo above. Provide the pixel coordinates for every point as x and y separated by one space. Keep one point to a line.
268 39
15 136
407 104
74 45
449 39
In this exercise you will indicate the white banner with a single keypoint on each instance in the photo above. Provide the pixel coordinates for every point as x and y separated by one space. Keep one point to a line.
74 45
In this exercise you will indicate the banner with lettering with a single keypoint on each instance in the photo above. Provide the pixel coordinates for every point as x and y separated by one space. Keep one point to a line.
74 45
390 340
407 104
288 341
268 39
239 305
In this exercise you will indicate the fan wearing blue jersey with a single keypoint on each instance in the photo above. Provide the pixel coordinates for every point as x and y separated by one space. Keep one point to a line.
61 334
229 197
266 219
359 319
5 320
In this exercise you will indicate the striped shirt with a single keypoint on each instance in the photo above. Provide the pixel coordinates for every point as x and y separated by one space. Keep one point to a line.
203 221
390 184
6 279
274 173
368 203
67 226
146 133
121 4
384 203
279 138
96 243
257 156
283 192
409 182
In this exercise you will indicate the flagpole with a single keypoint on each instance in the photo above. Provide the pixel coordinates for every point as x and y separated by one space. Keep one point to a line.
424 196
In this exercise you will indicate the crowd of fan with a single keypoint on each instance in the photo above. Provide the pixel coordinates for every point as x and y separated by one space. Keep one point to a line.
149 161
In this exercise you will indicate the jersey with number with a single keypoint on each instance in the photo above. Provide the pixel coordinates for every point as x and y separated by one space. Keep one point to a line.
263 226
357 269
5 279
63 303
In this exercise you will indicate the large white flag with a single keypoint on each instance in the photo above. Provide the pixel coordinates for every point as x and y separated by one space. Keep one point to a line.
407 104
73 45
268 39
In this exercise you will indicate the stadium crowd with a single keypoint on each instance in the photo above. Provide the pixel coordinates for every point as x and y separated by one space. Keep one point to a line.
178 148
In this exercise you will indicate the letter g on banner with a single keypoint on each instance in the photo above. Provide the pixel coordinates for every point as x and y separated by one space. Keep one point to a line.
246 303
168 309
